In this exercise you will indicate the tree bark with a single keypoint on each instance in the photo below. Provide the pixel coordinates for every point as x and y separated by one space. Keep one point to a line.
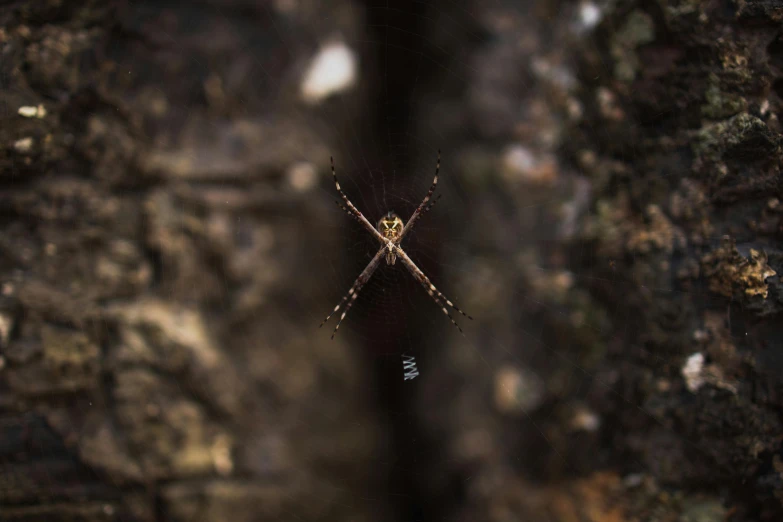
634 349
152 364
621 246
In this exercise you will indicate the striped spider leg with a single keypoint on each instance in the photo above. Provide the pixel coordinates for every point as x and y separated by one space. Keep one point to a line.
389 233
440 300
423 206
354 211
426 209
422 209
355 289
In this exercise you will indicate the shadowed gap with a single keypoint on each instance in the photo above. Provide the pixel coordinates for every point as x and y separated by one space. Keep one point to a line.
400 31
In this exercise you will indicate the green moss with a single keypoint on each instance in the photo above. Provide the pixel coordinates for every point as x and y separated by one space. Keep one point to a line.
721 104
705 144
683 8
742 128
702 510
638 30
713 140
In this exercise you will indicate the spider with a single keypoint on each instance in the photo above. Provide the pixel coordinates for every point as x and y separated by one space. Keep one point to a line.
389 233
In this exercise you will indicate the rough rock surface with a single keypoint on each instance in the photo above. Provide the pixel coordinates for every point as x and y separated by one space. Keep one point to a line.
150 368
157 199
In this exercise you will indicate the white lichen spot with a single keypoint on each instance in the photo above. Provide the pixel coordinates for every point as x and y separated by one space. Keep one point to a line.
701 336
518 159
585 420
589 15
693 372
521 164
556 74
28 111
608 104
333 70
633 480
302 176
24 145
517 390
574 109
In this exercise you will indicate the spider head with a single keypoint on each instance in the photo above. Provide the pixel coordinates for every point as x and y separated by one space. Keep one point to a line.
390 227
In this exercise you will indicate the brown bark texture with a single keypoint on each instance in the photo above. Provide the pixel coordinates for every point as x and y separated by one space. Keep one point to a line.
164 187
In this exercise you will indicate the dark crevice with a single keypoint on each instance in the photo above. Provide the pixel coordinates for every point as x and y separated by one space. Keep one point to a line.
394 30
402 60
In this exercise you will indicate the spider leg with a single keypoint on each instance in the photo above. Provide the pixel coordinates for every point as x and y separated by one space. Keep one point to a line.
353 216
426 209
430 205
355 289
418 212
354 211
436 295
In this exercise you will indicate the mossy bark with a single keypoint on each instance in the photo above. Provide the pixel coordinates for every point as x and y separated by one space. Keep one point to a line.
637 146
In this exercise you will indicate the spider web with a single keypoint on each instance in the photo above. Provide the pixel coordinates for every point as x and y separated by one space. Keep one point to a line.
487 406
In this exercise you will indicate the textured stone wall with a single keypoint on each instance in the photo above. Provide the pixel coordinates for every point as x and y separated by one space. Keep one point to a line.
626 156
621 252
151 361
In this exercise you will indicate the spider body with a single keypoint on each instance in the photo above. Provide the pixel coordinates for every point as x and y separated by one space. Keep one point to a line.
390 233
390 226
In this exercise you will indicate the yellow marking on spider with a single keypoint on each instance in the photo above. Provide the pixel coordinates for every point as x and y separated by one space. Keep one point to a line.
390 231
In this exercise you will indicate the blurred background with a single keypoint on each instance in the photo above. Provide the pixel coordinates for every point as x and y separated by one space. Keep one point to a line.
169 244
